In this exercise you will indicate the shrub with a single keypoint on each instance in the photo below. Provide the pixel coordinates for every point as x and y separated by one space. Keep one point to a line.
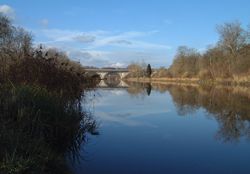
205 75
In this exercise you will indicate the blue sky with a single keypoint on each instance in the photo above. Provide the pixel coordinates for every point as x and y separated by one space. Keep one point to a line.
116 33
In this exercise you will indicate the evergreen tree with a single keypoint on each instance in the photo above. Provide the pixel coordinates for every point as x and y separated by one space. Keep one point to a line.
149 71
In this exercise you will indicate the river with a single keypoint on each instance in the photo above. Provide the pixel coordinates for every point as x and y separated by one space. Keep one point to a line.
168 129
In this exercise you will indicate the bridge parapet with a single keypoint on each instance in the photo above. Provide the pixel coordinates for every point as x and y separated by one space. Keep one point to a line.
106 70
102 72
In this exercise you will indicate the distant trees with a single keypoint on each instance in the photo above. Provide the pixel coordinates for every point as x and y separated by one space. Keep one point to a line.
230 57
186 62
137 69
232 37
162 72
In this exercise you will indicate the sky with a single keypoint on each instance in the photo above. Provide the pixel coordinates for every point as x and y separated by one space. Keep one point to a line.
119 32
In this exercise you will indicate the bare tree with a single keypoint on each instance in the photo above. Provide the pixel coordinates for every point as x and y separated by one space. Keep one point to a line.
232 36
186 62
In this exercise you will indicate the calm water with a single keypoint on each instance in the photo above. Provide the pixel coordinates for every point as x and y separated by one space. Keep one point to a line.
168 129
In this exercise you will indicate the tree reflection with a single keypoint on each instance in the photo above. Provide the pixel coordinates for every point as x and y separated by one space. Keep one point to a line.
228 105
139 89
148 88
40 130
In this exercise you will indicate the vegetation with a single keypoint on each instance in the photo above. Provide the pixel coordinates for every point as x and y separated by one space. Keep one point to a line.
149 71
42 123
186 63
20 63
162 72
39 129
137 69
228 60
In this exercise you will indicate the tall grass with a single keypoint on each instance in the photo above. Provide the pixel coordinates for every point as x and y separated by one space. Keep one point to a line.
41 118
38 129
22 63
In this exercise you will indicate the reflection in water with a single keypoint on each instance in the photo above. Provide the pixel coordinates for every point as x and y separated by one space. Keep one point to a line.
112 79
148 88
40 131
139 89
228 105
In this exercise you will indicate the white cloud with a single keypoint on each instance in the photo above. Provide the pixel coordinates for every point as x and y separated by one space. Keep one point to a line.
114 58
106 48
120 42
89 58
57 35
8 11
130 40
99 39
84 38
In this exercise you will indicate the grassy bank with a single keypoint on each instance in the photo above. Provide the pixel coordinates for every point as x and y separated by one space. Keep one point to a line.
235 81
162 86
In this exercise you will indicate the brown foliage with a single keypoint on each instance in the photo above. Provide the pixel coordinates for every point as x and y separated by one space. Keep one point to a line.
22 64
229 58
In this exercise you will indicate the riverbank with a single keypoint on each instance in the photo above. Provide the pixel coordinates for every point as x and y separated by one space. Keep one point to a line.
235 81
163 86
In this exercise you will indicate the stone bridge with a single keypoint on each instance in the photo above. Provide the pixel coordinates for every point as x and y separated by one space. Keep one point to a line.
103 72
121 84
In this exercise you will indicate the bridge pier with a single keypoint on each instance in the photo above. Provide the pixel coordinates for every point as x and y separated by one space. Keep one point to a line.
102 74
123 74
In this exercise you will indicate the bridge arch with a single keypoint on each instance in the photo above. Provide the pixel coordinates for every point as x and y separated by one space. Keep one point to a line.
102 72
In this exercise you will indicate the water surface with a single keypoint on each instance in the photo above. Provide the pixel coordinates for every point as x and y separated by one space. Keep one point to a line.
168 129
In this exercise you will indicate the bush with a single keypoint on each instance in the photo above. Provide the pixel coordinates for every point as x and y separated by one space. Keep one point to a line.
186 75
20 63
205 75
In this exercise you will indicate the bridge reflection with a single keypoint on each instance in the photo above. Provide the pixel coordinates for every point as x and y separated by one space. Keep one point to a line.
112 84
134 89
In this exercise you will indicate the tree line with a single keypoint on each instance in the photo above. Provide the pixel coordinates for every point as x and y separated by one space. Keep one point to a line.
139 69
229 58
